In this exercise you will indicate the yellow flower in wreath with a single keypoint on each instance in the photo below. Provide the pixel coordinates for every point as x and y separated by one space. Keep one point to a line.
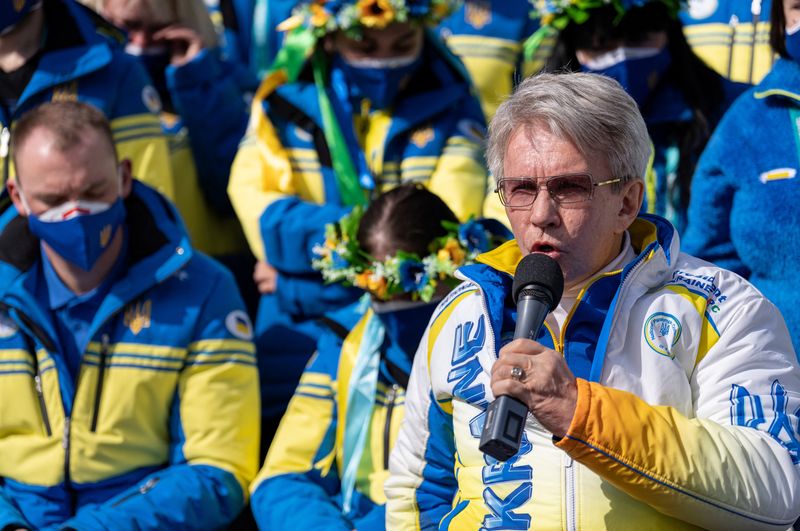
319 16
375 13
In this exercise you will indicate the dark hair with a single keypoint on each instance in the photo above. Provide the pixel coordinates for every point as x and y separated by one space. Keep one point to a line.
66 120
407 218
777 29
700 86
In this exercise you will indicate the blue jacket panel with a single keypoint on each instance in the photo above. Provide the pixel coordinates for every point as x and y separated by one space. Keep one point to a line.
743 213
212 108
160 428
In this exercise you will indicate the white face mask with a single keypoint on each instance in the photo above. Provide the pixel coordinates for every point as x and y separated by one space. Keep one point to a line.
618 55
70 209
387 63
139 51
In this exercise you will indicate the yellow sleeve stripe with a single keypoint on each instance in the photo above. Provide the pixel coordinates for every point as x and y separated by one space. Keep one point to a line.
776 92
708 331
441 319
14 353
134 120
223 344
155 351
317 378
483 41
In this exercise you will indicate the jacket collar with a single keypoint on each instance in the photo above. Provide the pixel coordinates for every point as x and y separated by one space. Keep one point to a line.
157 248
781 82
651 236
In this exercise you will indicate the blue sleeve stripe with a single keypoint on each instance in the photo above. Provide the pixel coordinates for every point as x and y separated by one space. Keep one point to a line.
29 372
317 397
223 362
679 490
234 352
137 356
133 366
20 362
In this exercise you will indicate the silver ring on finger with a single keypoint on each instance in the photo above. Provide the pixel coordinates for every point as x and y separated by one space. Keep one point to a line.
517 373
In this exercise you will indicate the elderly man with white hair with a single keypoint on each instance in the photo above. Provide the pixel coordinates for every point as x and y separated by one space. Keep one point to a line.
663 391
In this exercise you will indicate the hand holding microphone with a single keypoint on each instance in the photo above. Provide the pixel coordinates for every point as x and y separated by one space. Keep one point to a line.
528 376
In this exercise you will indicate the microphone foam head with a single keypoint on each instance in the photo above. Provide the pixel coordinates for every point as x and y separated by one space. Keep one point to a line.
538 270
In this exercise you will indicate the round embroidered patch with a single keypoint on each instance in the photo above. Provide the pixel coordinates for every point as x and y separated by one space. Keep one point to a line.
662 331
238 323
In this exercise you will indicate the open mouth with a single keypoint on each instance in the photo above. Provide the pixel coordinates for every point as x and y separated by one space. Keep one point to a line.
543 248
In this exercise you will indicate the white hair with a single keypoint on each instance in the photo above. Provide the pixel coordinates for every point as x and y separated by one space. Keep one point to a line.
592 111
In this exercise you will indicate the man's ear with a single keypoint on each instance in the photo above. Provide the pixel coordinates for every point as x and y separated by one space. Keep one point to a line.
14 192
126 177
632 196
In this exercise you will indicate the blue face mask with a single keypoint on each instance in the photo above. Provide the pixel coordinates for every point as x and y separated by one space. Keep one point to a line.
11 12
638 70
378 80
79 231
155 60
404 322
792 40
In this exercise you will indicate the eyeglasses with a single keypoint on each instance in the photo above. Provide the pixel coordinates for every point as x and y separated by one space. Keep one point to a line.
564 189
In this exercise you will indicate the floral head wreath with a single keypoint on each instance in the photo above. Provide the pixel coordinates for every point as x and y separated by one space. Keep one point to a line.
555 15
326 16
342 260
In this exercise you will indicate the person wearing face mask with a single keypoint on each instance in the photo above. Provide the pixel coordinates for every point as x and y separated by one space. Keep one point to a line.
743 214
362 97
203 116
326 466
59 50
641 44
128 382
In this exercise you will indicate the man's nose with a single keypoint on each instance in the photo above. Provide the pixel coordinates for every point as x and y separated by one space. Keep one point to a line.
544 210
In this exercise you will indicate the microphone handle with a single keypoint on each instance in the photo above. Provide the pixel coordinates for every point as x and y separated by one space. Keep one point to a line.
505 416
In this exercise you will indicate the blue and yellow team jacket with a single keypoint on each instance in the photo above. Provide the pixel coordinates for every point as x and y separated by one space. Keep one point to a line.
487 35
743 214
283 189
84 61
299 485
160 428
731 36
204 135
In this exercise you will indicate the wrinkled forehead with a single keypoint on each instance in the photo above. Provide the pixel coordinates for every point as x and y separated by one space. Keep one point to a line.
540 149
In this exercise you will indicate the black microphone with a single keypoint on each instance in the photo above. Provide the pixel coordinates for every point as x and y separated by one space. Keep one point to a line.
537 289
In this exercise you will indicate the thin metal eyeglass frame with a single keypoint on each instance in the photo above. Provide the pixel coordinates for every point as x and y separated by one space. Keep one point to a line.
547 180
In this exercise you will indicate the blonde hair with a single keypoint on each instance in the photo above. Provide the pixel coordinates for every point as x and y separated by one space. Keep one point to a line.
190 13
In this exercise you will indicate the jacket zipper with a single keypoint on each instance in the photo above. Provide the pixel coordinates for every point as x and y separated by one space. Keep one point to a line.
143 489
387 429
37 378
569 479
101 371
732 23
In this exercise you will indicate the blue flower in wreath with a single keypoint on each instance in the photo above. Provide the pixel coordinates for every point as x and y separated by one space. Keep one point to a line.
412 275
338 261
482 235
